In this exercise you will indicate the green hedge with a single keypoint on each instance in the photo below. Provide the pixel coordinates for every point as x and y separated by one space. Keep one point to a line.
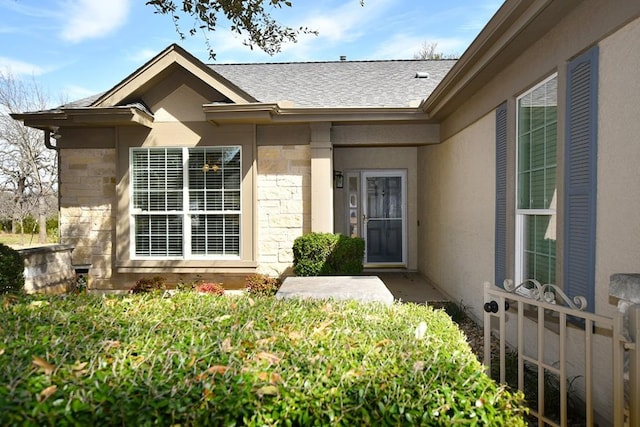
11 270
207 360
327 254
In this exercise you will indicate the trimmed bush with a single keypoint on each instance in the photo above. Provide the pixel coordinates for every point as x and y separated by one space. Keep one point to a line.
347 256
262 285
327 254
187 360
11 270
146 284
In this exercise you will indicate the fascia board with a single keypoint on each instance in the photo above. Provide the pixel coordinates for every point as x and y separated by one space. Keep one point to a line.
75 117
170 56
502 29
274 113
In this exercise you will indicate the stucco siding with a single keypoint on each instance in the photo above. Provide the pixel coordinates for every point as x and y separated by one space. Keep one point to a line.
618 127
457 177
618 221
456 212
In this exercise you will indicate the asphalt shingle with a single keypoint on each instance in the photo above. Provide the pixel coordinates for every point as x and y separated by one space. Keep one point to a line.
392 83
339 83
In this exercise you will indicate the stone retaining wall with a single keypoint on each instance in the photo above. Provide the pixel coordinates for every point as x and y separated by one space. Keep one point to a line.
48 269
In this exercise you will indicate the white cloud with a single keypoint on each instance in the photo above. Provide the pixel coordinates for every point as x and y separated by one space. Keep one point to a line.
87 19
398 46
405 46
338 24
74 92
143 55
17 67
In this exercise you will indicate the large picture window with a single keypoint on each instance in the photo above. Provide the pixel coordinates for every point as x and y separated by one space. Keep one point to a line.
186 202
537 119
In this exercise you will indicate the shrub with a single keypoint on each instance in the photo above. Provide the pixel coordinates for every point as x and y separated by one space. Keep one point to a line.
311 253
262 285
52 224
29 225
186 286
145 284
210 288
347 255
327 254
11 270
187 360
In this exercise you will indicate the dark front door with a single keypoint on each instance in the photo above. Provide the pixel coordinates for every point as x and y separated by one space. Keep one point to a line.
384 212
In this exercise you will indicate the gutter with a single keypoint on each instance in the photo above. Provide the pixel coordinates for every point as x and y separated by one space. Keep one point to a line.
47 140
264 113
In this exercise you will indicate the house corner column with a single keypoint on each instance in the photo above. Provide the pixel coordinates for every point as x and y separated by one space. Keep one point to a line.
321 178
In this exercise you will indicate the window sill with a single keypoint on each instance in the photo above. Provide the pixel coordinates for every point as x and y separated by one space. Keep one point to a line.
183 266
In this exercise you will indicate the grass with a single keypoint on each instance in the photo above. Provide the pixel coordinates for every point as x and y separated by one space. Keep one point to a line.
207 360
17 239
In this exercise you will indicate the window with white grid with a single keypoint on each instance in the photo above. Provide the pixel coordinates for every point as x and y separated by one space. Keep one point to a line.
537 123
186 202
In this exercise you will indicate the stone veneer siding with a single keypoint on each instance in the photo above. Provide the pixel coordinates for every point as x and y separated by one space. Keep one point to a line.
284 204
87 203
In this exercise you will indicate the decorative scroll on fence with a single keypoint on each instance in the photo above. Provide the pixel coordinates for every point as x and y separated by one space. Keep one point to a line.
549 293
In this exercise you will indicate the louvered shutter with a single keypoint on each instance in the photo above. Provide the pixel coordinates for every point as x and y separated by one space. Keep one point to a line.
580 176
501 195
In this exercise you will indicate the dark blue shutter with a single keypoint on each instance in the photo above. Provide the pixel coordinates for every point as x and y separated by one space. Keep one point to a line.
501 195
580 177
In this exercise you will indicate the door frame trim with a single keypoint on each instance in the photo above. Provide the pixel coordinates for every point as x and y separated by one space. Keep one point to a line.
403 174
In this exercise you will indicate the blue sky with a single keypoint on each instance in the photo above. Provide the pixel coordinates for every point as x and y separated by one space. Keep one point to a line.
76 48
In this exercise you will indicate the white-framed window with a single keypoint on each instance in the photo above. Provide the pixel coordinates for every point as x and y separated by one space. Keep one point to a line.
186 202
536 190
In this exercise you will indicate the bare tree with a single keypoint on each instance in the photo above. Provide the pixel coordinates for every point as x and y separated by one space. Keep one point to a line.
28 170
429 50
248 17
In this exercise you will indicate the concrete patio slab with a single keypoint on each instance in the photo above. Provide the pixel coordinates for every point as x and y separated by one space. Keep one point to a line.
360 288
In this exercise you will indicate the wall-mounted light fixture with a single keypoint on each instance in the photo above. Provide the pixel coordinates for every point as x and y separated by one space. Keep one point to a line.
338 178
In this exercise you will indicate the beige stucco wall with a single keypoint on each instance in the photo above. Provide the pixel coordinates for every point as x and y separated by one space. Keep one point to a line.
617 129
284 204
618 221
457 177
457 213
378 158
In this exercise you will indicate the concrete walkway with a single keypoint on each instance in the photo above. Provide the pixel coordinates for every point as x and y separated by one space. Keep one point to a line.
385 287
411 287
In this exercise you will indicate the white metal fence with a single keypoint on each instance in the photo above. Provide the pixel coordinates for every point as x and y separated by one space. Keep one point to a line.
552 337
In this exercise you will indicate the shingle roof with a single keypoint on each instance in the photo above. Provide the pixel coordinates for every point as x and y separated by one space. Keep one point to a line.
390 83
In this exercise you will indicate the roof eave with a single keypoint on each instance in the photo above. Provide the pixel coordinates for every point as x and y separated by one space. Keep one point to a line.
488 51
260 113
173 54
89 117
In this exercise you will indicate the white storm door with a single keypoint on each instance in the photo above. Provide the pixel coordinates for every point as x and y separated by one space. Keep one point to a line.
384 206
